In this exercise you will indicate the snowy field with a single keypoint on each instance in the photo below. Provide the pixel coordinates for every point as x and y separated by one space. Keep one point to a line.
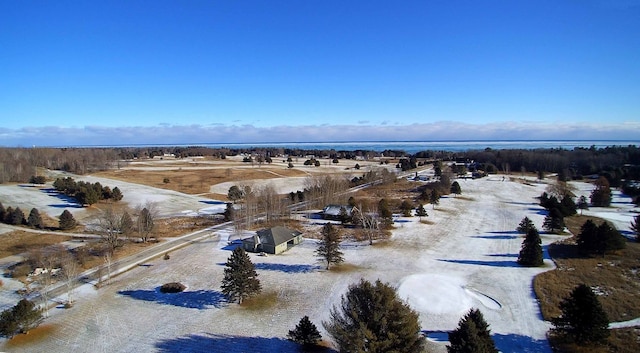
466 257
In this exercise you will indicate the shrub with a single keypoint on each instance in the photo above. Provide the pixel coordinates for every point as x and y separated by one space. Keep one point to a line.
172 287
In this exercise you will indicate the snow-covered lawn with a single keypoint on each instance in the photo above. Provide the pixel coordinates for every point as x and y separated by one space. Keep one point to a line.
464 257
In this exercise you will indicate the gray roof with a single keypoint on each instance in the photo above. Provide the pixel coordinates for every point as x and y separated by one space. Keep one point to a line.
277 235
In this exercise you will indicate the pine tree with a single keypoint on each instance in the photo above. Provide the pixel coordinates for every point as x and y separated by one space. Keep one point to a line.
23 317
583 204
583 318
17 217
587 239
66 221
329 245
531 251
525 225
609 239
455 188
601 195
126 224
3 213
240 277
116 194
7 215
386 216
371 318
421 212
472 335
34 219
305 333
568 206
434 197
553 222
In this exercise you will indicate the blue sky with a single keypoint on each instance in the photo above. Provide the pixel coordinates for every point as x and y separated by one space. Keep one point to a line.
145 72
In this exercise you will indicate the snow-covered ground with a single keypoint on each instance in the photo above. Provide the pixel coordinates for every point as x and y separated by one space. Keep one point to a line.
465 257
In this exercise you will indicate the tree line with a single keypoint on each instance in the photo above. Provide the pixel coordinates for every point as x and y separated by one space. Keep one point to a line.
86 193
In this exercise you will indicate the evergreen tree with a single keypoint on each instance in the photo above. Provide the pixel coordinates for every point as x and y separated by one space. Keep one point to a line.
472 335
3 213
455 188
587 239
421 212
531 251
329 245
406 206
371 318
525 225
34 219
17 217
384 212
126 224
609 239
305 333
23 317
635 226
583 204
568 206
240 277
7 215
434 197
235 193
66 221
229 211
116 194
553 222
582 318
601 195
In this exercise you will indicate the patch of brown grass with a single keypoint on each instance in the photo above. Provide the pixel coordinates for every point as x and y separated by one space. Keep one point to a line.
21 241
197 181
37 334
262 301
615 278
344 267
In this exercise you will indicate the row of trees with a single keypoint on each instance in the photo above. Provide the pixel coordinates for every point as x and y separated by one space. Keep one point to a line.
15 216
86 193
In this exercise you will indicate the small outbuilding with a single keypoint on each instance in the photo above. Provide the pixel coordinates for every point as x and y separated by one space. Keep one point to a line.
336 212
274 240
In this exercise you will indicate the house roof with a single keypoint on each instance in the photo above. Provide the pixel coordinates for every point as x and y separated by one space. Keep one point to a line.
334 210
277 235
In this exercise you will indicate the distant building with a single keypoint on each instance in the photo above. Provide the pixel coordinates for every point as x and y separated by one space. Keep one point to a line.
274 240
333 212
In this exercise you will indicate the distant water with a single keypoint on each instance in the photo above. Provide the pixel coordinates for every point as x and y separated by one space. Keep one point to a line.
417 146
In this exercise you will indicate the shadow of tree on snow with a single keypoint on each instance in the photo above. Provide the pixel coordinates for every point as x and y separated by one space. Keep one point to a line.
499 237
298 268
200 299
228 344
512 343
484 263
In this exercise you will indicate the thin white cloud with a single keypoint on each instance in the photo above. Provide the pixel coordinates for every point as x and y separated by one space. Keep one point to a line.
214 134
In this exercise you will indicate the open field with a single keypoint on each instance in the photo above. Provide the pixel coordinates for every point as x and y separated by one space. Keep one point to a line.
462 255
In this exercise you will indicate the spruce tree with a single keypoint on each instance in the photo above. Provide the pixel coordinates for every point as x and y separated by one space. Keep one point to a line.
583 204
531 251
66 221
329 245
305 333
587 239
554 221
568 206
116 194
455 188
582 318
472 335
601 195
371 318
240 277
7 215
17 217
421 212
23 317
609 239
34 219
525 225
434 197
2 213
